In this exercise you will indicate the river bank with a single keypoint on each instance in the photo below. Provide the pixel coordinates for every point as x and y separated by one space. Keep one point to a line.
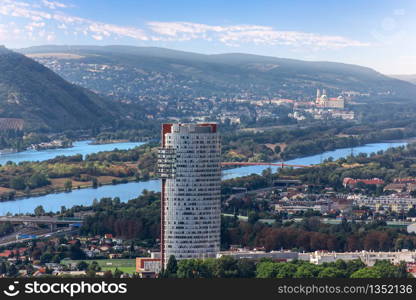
130 190
104 142
82 147
102 181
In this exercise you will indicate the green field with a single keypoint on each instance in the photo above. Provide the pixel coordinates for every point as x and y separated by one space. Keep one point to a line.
124 265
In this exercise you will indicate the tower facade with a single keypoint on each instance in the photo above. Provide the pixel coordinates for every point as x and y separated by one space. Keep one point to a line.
190 172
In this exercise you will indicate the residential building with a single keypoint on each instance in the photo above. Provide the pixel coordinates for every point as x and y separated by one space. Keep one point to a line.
148 267
369 258
394 203
350 182
291 209
257 255
190 172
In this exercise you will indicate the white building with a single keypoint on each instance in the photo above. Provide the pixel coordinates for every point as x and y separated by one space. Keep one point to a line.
391 202
190 171
257 255
325 102
369 258
322 208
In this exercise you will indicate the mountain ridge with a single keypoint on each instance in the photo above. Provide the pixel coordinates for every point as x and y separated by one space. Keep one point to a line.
45 101
229 75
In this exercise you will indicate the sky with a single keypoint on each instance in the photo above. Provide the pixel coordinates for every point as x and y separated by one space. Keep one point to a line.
375 33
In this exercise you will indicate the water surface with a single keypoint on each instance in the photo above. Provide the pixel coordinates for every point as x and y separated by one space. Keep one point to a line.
125 192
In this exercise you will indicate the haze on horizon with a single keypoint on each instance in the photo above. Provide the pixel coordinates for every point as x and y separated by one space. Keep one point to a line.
377 35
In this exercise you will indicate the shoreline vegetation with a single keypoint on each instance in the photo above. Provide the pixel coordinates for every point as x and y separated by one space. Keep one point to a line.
95 170
105 142
65 173
60 190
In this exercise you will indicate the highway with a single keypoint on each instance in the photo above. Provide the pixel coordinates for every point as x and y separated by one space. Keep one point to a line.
39 220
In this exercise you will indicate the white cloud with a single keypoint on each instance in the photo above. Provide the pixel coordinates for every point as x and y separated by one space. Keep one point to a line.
89 27
34 25
10 32
237 34
44 21
50 37
54 4
109 29
97 37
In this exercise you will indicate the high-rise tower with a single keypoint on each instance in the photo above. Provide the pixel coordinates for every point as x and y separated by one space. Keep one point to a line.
190 172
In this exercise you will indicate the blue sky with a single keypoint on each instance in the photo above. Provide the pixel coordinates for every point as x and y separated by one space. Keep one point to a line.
374 33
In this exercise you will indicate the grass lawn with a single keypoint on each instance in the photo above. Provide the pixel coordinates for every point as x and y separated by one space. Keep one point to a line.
124 265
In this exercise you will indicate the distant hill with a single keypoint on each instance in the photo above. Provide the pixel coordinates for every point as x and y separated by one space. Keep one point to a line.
127 72
36 98
409 78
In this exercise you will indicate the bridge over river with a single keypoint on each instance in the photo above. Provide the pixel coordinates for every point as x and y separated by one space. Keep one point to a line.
45 220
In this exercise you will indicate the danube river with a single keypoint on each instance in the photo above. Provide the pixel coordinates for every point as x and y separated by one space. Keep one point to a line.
80 147
53 202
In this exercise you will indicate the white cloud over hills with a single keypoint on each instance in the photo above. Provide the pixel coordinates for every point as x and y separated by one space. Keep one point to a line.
44 20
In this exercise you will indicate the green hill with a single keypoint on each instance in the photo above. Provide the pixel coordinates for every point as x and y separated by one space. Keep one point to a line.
164 74
45 101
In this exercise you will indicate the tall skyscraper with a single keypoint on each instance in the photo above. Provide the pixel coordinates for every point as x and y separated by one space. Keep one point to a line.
190 171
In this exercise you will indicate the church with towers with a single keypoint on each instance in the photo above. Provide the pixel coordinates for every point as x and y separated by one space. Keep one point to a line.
323 101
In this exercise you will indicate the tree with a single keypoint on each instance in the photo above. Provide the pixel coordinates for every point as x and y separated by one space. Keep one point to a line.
18 183
331 272
117 273
267 269
94 182
46 258
68 185
193 268
253 217
401 271
39 211
286 270
82 266
171 268
246 268
94 267
91 273
366 273
12 272
75 252
37 180
226 267
3 268
388 270
307 270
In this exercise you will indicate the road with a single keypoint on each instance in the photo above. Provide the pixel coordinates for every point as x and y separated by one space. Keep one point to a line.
39 220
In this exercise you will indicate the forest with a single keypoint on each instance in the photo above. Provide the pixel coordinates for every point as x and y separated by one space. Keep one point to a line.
228 267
